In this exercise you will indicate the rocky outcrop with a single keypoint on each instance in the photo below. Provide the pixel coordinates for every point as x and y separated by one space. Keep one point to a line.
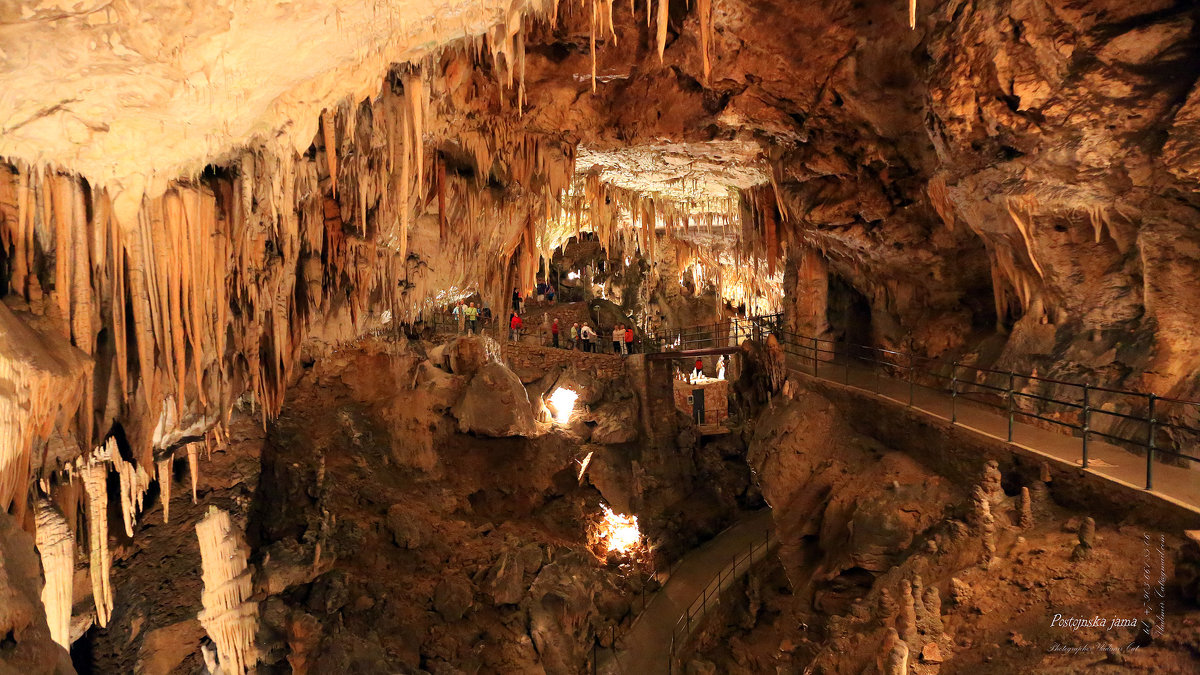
495 403
864 504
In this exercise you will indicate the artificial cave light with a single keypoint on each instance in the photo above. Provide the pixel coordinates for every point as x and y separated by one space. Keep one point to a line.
617 532
572 275
562 403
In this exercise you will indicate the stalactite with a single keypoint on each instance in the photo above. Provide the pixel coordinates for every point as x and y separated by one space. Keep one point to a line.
95 483
193 453
661 40
229 617
329 134
912 14
705 16
56 546
164 485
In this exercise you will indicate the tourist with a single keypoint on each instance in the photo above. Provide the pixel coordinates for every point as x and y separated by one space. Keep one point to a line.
721 368
550 293
472 313
699 371
554 332
587 333
487 315
460 313
516 300
618 338
575 336
514 327
628 340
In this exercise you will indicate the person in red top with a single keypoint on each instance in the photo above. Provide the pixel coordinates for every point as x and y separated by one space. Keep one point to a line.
554 332
514 327
628 339
699 371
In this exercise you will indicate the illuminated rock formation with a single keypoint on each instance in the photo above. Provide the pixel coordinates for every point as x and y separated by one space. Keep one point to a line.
56 546
229 617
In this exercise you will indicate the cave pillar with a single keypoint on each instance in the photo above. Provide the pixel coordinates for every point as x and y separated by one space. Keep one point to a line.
808 277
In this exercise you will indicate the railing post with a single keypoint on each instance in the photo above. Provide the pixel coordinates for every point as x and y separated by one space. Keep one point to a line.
912 376
954 393
1150 446
1012 383
846 362
1087 422
816 359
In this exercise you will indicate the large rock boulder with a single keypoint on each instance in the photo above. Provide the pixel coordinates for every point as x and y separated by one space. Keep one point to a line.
560 605
470 354
616 422
495 404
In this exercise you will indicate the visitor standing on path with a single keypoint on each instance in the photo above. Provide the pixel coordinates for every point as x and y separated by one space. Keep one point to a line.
550 293
618 337
516 300
460 313
575 336
514 327
472 313
554 333
587 333
628 340
699 371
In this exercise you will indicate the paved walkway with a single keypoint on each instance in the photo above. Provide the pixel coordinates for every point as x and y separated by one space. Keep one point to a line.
645 648
1172 483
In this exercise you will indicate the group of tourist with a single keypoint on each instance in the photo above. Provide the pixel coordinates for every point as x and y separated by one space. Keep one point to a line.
469 316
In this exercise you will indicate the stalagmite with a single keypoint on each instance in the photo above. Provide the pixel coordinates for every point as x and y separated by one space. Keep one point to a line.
887 606
987 525
95 483
1025 517
906 621
918 588
991 482
1087 537
164 485
893 655
932 602
230 619
56 546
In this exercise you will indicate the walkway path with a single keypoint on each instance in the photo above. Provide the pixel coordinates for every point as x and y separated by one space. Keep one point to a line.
1172 483
645 648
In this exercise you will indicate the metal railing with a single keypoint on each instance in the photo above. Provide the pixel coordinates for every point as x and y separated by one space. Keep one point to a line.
1133 421
728 333
711 595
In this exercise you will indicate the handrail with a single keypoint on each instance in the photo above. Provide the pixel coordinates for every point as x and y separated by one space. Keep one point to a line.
693 614
1137 422
971 382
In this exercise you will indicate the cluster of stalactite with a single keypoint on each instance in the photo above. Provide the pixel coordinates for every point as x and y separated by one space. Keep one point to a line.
157 312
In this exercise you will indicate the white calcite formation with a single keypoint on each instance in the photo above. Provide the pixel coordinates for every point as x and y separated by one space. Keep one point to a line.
56 546
230 619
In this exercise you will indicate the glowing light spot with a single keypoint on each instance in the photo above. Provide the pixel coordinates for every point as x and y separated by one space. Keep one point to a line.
572 275
617 533
562 403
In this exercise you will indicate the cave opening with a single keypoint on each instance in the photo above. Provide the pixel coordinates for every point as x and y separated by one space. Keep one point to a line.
848 313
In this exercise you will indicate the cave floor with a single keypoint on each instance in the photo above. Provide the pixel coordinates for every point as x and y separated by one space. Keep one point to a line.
1172 483
645 648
